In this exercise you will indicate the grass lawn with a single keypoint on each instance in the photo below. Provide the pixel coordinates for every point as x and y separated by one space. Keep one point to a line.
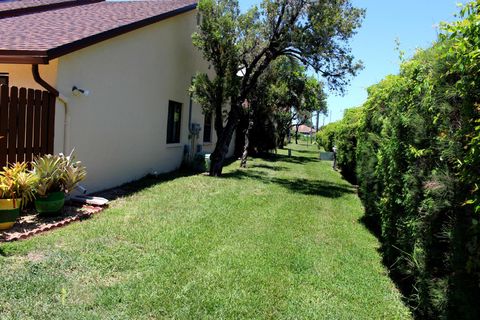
280 239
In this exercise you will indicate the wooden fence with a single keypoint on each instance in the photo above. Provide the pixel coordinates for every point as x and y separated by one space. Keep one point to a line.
27 122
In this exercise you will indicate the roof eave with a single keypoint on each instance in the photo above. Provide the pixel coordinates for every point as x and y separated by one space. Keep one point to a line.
43 57
23 59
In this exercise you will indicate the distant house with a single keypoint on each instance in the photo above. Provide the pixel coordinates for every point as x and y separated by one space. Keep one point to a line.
121 71
305 130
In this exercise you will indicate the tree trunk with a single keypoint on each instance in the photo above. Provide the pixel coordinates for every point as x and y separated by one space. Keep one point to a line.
218 156
296 133
240 138
243 162
281 140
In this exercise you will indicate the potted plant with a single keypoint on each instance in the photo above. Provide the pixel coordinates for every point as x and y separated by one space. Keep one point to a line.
17 187
57 175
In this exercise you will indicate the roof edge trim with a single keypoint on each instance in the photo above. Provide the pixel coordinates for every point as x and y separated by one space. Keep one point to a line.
23 58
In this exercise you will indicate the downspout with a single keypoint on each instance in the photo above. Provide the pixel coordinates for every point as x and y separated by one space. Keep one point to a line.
190 113
66 124
43 83
63 100
191 134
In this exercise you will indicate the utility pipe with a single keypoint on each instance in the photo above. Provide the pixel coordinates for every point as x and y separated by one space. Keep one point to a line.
63 100
66 124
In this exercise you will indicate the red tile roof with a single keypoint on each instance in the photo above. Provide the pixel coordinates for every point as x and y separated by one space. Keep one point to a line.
42 36
305 129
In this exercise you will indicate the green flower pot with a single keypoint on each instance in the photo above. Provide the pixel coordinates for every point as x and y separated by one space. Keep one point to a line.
50 205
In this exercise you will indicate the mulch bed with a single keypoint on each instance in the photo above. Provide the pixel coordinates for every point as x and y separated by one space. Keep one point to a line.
30 223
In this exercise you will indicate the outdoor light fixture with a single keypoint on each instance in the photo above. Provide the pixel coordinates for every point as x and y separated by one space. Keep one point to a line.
80 92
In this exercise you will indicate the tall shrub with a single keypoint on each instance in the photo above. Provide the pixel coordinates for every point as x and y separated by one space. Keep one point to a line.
415 144
418 171
346 142
325 137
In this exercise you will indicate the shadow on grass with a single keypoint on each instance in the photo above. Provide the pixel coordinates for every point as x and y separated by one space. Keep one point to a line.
292 159
314 152
296 185
2 253
146 182
372 224
269 167
404 283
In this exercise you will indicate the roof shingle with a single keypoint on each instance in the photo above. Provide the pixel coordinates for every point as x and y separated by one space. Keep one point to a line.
13 5
20 7
52 33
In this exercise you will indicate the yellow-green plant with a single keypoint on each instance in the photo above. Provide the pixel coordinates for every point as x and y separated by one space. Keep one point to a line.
48 170
73 173
16 182
57 173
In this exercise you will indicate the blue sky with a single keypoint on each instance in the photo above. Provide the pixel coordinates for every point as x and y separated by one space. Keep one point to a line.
413 22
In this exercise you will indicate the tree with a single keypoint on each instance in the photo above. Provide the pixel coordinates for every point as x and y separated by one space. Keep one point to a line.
312 99
293 95
284 92
314 32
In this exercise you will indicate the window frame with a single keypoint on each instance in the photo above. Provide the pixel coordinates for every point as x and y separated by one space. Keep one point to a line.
174 127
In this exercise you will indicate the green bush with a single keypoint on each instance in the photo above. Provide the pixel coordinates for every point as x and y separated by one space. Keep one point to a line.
416 171
415 144
346 142
325 137
343 135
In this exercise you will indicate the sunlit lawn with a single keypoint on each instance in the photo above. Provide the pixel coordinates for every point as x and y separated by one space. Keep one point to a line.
280 239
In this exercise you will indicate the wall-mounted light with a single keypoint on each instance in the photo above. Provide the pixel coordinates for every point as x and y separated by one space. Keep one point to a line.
80 92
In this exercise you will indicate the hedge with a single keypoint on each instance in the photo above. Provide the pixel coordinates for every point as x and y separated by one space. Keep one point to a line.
415 149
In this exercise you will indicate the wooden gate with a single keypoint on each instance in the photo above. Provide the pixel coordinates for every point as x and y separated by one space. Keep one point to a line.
27 122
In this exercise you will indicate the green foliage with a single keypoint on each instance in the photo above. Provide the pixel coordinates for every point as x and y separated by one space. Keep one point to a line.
418 159
17 182
73 173
409 146
285 93
325 137
463 55
343 134
346 142
57 173
316 33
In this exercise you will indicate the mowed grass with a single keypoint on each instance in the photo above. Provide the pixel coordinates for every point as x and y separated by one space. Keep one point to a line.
278 240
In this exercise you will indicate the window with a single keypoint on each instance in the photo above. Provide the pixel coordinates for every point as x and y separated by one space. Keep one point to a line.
207 128
174 121
3 79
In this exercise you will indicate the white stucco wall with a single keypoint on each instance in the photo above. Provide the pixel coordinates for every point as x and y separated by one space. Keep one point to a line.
20 75
119 130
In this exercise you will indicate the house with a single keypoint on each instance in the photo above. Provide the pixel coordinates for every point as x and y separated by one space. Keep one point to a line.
120 72
305 130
